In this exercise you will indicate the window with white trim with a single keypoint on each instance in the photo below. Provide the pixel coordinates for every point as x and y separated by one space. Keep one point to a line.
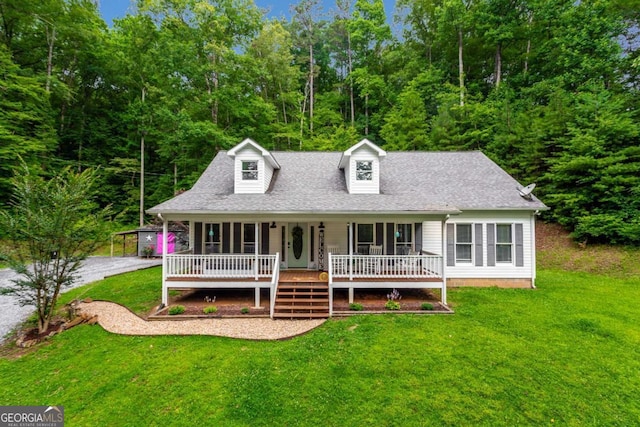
364 170
249 238
504 243
404 238
249 170
464 242
365 237
212 238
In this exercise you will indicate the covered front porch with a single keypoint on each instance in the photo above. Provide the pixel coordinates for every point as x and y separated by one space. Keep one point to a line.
189 271
385 253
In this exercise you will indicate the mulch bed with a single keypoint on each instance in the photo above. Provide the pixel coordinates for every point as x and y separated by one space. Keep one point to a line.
231 302
374 300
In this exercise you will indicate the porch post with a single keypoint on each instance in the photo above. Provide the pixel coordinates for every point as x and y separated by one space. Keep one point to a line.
533 250
255 264
351 261
165 231
443 293
257 298
350 226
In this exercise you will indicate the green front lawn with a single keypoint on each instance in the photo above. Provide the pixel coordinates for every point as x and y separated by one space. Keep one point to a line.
567 353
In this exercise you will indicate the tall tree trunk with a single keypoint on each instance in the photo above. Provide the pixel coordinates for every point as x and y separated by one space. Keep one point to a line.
51 38
366 114
142 167
498 66
303 110
350 64
311 88
284 113
526 57
212 82
460 67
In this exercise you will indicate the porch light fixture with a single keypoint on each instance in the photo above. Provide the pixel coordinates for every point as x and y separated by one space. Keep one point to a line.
321 226
273 224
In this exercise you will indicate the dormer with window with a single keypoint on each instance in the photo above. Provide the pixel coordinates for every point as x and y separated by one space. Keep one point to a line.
361 165
253 167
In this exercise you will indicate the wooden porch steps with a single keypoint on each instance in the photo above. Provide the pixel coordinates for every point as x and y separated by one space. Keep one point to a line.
301 300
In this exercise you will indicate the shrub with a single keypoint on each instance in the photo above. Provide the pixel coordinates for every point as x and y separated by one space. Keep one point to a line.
210 309
244 310
426 306
176 309
392 305
356 306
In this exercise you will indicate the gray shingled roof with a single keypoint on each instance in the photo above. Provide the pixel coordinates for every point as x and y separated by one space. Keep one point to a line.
429 182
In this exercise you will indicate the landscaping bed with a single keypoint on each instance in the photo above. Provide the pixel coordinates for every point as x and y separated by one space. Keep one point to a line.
375 301
240 303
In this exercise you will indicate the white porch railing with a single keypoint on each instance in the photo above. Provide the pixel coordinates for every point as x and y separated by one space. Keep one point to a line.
232 266
386 266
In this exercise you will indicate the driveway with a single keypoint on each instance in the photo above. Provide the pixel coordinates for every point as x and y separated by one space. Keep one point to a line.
93 269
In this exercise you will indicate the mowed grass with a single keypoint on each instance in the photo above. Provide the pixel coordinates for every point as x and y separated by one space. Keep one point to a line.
567 353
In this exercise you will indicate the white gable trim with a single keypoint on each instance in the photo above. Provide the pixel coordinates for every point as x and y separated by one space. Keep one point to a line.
344 160
268 157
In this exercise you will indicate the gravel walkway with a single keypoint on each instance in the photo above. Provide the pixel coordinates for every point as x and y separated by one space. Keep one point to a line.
93 269
119 320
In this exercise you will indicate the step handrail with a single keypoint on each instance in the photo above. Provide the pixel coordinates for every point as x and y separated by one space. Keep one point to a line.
275 279
330 285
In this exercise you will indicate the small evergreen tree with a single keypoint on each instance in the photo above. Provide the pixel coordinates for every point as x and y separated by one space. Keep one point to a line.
52 226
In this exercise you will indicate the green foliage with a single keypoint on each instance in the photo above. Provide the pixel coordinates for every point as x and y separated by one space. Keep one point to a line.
176 309
210 309
426 306
26 125
545 90
356 306
392 305
244 310
53 225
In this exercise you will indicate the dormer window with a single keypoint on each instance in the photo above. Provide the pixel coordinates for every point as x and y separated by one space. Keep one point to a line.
361 165
249 170
253 168
364 170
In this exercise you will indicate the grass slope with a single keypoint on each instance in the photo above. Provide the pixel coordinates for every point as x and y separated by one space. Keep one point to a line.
567 353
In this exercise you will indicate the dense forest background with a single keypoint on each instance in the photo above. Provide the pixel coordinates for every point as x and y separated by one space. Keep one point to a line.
547 88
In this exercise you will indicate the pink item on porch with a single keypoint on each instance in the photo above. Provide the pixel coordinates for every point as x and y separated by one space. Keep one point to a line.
171 243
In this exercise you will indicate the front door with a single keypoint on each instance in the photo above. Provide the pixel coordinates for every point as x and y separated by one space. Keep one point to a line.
297 243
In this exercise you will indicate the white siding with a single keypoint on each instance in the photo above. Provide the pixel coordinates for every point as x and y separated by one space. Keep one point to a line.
268 175
432 237
275 239
250 186
335 234
500 270
347 176
363 187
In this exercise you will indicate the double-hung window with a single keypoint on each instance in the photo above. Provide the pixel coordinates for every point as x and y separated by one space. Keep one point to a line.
504 243
464 242
365 238
364 170
249 170
404 238
212 238
249 238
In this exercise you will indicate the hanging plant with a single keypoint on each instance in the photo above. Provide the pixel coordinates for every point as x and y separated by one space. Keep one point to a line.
297 241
